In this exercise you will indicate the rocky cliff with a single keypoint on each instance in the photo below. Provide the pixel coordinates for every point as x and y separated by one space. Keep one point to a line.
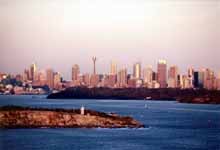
20 117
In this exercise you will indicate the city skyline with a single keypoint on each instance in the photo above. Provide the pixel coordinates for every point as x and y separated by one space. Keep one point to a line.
164 76
87 74
58 34
130 68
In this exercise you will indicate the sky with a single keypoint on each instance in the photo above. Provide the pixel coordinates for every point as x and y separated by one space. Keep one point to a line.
57 34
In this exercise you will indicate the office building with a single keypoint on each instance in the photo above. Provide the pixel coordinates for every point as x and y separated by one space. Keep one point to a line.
137 70
162 73
113 69
50 78
122 78
33 72
172 77
75 72
148 74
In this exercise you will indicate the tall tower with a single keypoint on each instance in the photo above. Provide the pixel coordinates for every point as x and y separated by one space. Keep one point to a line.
75 72
33 71
122 77
94 63
172 77
148 74
50 78
162 73
190 76
137 70
113 69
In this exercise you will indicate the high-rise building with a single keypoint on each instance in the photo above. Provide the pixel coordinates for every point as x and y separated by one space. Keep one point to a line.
162 73
218 82
185 82
113 69
42 79
218 76
137 71
57 80
172 76
33 72
75 72
196 79
179 81
190 76
50 78
94 80
1 77
86 79
201 78
122 78
132 82
26 75
112 79
154 76
148 74
209 79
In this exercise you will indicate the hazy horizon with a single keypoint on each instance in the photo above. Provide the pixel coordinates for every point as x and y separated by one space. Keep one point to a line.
58 34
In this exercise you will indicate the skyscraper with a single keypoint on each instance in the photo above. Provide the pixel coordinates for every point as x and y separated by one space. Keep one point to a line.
50 78
148 75
42 79
94 80
180 81
33 72
185 82
75 72
201 78
196 79
57 80
209 79
137 71
218 82
113 69
86 79
190 76
112 79
162 73
172 77
122 78
26 75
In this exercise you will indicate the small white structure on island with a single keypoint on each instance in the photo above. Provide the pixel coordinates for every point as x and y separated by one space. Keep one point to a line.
82 110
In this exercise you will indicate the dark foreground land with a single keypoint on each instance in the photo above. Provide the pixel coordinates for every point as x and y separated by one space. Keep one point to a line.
25 117
180 95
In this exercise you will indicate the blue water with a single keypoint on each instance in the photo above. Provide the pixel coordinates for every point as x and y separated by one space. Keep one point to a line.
169 126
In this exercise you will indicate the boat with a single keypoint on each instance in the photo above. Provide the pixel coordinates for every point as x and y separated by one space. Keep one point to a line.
148 98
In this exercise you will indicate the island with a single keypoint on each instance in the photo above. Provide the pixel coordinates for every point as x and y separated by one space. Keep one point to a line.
201 96
27 117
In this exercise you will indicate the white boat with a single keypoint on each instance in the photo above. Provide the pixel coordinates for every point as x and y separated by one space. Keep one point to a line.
148 98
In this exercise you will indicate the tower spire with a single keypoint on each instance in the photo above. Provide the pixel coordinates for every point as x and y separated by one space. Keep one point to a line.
94 64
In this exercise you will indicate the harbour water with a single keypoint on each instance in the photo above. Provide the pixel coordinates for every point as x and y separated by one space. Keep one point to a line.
169 126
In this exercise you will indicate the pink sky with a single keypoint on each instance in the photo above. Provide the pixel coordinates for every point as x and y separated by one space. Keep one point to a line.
58 34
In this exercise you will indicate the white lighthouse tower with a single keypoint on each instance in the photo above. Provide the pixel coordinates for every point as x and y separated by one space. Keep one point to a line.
82 110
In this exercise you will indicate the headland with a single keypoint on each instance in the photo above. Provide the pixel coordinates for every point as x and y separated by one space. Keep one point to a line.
26 117
181 95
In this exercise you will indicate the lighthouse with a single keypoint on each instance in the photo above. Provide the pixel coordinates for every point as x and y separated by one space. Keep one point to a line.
82 110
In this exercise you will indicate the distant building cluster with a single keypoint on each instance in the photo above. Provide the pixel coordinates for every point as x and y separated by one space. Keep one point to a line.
163 77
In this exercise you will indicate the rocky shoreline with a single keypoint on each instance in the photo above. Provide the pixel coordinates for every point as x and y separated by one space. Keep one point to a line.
201 96
25 117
